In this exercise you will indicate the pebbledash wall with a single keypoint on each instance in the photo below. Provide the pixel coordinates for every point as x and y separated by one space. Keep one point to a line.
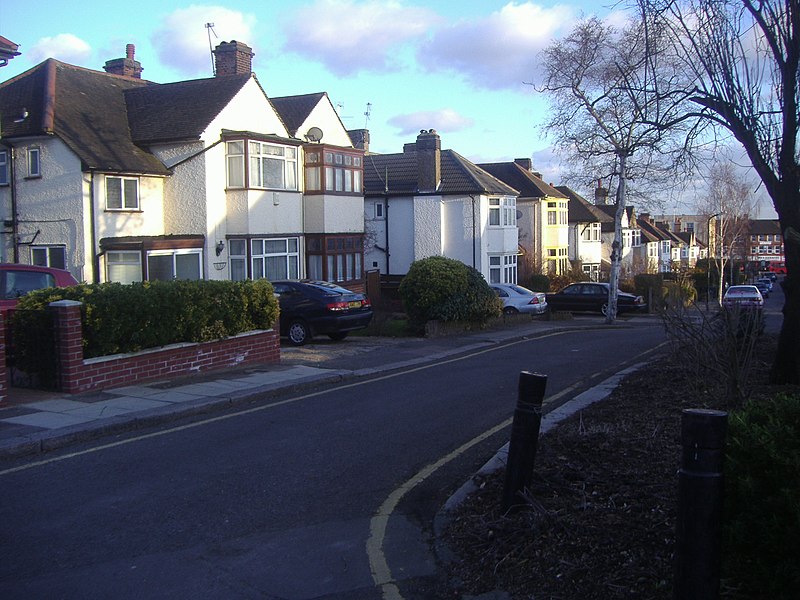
77 374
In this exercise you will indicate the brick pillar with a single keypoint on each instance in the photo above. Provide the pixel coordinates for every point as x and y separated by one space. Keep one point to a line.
3 369
69 343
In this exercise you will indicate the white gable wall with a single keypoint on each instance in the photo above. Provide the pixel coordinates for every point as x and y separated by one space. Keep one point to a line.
324 116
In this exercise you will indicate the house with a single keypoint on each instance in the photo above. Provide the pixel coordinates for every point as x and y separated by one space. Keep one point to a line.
427 201
120 179
765 247
656 249
8 50
585 233
542 218
631 234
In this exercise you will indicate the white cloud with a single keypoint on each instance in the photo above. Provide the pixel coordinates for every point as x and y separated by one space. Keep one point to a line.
348 36
500 51
445 120
181 41
66 47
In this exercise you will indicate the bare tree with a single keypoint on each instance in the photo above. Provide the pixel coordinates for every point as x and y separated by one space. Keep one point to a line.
742 58
728 203
608 108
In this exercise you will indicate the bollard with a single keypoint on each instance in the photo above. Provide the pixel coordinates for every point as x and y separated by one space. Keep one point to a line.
524 437
700 491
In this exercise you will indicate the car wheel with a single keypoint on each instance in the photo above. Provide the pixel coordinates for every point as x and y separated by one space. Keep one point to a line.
604 309
298 333
338 336
510 310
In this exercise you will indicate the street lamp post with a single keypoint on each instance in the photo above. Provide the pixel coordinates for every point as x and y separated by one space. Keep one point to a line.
708 257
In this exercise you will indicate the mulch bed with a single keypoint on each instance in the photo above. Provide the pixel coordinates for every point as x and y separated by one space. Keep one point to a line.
599 521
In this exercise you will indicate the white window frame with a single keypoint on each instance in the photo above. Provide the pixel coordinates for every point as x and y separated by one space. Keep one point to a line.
127 260
4 179
34 161
262 155
503 268
378 211
48 253
260 256
234 162
502 212
237 259
124 200
175 254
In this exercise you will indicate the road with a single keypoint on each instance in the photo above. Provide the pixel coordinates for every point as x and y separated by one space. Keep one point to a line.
328 494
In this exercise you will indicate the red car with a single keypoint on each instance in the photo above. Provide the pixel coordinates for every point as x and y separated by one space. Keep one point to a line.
17 280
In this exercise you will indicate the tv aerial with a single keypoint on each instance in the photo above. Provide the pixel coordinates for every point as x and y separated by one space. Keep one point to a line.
210 30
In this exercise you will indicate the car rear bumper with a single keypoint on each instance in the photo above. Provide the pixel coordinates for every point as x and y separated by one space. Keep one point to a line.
341 323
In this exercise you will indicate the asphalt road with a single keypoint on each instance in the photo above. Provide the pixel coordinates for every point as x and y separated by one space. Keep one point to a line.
325 495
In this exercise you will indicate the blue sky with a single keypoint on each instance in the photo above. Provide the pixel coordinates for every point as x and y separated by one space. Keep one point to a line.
457 66
462 67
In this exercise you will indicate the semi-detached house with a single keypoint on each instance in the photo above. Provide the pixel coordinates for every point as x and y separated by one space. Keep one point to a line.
120 179
427 202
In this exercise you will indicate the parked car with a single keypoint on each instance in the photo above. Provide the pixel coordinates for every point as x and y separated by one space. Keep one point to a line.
743 297
309 308
517 299
763 288
589 296
16 280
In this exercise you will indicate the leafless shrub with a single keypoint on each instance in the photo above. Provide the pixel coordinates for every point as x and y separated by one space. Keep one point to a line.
716 347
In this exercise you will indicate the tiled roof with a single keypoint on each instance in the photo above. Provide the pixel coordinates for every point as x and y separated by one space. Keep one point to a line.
84 108
581 210
528 184
458 175
764 226
179 111
294 110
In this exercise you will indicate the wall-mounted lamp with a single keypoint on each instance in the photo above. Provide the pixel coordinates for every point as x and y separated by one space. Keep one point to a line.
220 247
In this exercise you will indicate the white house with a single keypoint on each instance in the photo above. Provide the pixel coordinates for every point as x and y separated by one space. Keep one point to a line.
585 233
427 201
121 179
542 217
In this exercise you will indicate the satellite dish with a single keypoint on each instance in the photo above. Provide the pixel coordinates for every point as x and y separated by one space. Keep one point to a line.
314 134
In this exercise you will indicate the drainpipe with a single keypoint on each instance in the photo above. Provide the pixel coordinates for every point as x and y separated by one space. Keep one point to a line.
95 257
12 167
386 215
474 232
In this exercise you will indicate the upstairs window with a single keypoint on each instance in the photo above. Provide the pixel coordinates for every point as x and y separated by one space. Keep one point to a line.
502 212
3 167
122 193
34 162
49 256
262 165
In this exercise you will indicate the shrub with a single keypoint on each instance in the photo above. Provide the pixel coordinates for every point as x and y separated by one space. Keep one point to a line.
439 288
120 318
538 283
762 487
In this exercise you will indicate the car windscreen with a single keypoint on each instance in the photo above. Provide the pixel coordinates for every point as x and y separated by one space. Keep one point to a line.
19 283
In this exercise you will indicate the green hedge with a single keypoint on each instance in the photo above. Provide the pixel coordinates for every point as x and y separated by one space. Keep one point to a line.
120 318
444 289
762 498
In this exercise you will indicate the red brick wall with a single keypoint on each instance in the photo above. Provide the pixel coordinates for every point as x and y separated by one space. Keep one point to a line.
77 375
3 370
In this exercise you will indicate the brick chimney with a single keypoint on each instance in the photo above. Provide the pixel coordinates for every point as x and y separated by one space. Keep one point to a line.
429 160
600 194
233 58
127 67
525 163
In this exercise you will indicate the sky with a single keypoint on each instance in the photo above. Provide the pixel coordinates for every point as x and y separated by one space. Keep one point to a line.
462 67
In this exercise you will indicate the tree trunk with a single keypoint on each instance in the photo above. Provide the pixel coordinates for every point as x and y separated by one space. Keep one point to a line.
786 367
616 247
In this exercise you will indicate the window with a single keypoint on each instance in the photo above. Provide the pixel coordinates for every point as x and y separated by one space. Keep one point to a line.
503 269
503 213
123 267
271 166
335 258
122 193
235 160
378 208
49 256
3 167
237 255
34 162
275 258
174 264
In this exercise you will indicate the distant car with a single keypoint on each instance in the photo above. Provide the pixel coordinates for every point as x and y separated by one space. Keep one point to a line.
743 296
767 281
309 308
517 299
763 288
16 280
589 296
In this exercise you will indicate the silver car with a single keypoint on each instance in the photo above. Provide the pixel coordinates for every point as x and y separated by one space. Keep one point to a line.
518 299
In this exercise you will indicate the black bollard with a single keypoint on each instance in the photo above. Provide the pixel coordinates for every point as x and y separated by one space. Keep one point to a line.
524 437
700 491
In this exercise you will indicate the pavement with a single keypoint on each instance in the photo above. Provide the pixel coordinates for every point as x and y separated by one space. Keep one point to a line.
35 421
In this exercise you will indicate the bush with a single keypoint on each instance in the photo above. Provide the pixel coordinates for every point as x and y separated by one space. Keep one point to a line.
120 318
444 289
538 283
762 487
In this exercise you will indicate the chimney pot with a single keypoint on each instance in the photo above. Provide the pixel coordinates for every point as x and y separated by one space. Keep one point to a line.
127 67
